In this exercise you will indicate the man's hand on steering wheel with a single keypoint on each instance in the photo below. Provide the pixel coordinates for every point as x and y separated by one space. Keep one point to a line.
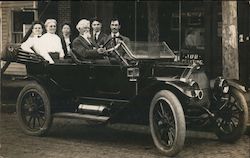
110 50
101 50
109 40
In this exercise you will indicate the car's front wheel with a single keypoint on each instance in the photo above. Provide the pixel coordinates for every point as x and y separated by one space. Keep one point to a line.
167 123
232 116
33 110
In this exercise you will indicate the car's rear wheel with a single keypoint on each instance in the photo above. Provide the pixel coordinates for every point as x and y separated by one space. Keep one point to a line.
33 110
232 116
167 123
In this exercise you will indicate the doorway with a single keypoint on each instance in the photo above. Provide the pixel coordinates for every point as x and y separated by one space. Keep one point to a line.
244 41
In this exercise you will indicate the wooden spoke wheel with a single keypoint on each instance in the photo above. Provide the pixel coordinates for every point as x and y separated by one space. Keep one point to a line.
232 116
33 110
167 123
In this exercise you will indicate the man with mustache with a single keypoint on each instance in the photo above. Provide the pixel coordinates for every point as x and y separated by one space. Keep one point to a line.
83 46
115 27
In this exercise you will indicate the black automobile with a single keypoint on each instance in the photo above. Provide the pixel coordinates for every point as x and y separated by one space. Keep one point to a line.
137 83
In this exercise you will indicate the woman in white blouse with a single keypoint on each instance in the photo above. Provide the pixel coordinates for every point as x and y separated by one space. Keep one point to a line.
50 42
30 44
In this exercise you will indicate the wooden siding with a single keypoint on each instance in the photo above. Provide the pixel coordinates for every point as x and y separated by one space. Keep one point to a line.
6 25
15 69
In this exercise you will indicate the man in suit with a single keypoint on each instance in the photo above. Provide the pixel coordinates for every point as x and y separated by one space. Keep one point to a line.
97 35
115 27
83 46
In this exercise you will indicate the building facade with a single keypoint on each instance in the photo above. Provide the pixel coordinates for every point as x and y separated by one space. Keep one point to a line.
13 16
218 31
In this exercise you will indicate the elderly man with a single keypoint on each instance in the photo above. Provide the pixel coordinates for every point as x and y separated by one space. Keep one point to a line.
83 45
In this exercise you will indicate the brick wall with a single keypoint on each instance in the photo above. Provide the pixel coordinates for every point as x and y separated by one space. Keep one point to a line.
64 12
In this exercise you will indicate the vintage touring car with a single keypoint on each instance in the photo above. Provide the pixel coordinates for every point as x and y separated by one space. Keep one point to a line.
140 83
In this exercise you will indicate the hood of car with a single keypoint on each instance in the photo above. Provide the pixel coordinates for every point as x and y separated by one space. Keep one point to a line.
173 71
169 70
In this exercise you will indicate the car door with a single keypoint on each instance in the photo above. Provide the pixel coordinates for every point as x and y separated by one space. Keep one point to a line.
77 77
111 81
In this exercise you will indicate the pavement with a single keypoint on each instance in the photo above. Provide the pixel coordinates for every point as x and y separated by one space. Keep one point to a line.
72 138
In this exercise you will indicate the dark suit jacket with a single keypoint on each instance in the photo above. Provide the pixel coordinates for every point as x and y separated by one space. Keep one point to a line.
84 50
64 44
101 38
125 39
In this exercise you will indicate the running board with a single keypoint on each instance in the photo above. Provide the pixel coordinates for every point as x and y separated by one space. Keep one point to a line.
81 116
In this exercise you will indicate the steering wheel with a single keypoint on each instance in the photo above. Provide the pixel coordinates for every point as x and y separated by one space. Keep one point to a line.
112 38
114 49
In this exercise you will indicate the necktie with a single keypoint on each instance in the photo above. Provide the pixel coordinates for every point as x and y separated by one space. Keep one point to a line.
96 37
114 40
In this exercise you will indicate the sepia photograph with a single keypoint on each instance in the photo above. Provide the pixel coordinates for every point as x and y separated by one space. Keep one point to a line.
125 79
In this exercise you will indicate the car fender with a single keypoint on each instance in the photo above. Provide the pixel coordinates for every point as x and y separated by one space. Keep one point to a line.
177 86
182 87
237 84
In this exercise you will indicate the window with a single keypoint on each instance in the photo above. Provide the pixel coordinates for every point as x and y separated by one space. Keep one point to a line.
19 19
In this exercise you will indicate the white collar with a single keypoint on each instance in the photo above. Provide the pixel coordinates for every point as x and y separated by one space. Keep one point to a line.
36 36
97 33
49 34
86 38
117 34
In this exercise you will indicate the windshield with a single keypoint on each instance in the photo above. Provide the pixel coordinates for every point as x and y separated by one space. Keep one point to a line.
150 50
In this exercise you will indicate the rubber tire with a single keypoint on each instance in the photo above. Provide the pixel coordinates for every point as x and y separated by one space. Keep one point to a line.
48 117
237 133
180 124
